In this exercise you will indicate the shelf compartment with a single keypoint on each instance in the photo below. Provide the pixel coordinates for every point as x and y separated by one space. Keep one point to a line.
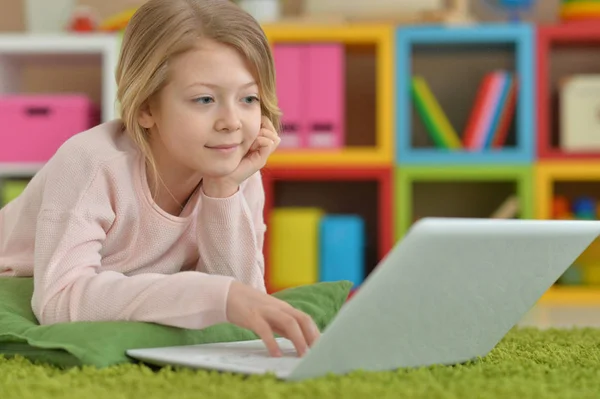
369 130
571 180
363 191
557 48
575 177
496 46
422 191
31 55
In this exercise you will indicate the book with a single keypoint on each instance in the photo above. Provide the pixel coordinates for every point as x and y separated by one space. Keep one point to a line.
342 248
294 246
439 127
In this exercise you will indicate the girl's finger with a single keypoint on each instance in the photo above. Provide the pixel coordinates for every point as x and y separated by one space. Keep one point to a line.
308 326
262 328
263 142
269 134
267 124
267 148
258 143
287 326
255 146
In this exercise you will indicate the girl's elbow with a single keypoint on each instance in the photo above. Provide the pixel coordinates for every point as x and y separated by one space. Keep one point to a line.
41 314
44 309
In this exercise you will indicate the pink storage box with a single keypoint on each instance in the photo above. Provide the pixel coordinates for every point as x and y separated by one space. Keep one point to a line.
290 68
33 127
326 95
311 92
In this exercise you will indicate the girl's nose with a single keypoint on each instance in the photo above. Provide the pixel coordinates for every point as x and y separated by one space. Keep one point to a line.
228 120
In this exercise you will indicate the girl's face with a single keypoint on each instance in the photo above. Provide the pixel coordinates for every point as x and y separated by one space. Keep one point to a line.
208 115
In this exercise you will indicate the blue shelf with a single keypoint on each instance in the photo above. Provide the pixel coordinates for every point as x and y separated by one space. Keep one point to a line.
519 35
429 156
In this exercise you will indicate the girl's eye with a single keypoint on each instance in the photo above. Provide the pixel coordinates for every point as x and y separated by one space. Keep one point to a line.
251 99
204 100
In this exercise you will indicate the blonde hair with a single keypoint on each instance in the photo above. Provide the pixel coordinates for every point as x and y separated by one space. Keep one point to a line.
162 29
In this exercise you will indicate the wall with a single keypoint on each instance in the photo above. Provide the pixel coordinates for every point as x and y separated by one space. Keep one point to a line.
11 18
81 78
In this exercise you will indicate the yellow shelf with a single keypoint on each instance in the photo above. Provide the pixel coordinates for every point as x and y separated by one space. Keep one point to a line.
380 36
569 170
546 173
573 296
364 156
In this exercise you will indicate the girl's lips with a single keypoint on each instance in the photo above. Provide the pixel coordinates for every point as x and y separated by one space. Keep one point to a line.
226 148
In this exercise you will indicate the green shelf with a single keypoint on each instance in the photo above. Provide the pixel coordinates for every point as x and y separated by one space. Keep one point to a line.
492 184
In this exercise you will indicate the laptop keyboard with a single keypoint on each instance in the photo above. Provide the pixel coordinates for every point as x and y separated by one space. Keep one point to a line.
251 357
260 359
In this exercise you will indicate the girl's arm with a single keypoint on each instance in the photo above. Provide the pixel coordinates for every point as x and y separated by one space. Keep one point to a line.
69 284
231 234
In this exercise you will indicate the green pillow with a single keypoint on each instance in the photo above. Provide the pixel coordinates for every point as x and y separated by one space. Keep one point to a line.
104 344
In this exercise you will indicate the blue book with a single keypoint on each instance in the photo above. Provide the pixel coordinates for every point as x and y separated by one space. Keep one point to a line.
502 103
342 248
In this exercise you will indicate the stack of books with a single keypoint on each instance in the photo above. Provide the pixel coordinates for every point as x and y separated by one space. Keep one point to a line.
489 122
308 245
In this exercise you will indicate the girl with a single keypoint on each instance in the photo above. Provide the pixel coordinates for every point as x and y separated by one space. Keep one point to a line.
157 217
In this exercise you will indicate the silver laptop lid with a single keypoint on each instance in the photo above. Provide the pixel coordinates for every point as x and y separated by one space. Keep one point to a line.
447 293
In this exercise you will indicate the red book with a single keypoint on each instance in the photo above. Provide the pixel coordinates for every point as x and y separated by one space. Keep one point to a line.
470 134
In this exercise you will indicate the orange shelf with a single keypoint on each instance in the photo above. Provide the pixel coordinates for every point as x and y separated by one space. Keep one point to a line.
571 296
348 157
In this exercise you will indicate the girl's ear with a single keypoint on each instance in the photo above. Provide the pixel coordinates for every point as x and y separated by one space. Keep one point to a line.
145 118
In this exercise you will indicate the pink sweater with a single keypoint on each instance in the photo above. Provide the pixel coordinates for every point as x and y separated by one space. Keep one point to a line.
99 248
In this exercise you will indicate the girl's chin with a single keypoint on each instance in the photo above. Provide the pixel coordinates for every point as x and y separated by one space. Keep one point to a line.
218 171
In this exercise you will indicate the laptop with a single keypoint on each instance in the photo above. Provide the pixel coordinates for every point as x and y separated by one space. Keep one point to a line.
447 293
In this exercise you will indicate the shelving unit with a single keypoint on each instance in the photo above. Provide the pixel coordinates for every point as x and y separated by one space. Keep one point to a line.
494 41
571 179
389 172
430 181
369 107
357 178
365 191
563 50
18 51
580 44
459 191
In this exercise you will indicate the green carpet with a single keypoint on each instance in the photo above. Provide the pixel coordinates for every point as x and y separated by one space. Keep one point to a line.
527 364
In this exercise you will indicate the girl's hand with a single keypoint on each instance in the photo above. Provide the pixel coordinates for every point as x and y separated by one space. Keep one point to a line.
266 315
266 142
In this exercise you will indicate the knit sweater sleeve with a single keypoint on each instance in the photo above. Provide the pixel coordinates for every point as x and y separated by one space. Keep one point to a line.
70 285
231 234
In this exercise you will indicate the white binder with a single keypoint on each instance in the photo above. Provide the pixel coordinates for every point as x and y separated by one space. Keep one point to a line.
580 113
